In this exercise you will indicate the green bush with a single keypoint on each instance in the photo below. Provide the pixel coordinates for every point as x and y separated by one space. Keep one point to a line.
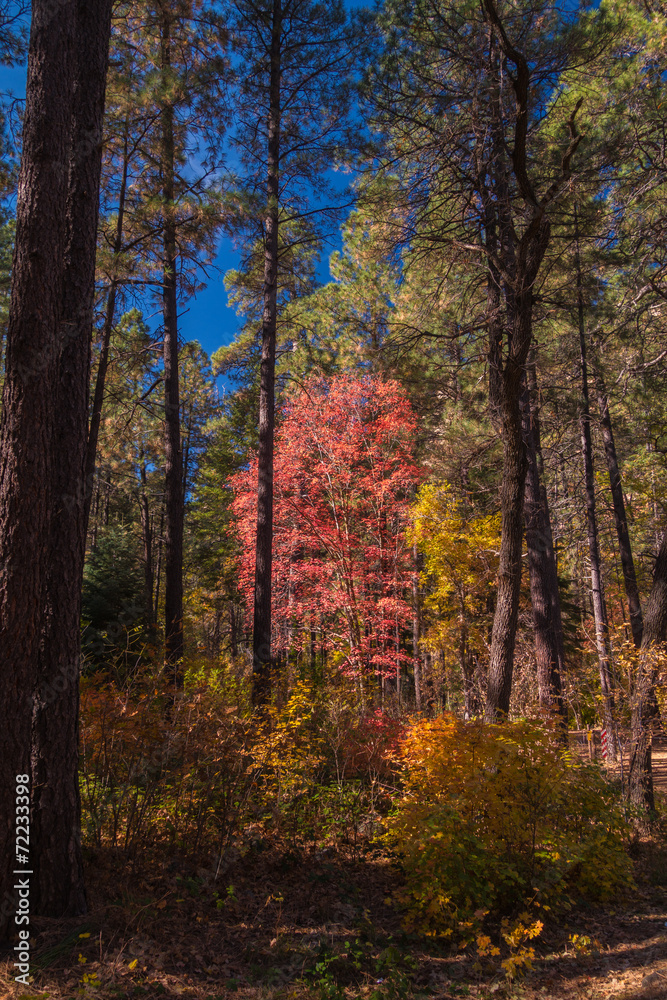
113 612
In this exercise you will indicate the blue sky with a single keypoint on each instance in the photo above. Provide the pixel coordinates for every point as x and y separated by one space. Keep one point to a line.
206 317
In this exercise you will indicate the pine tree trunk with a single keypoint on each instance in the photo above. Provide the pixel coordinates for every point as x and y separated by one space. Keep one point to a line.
98 398
654 634
506 376
28 413
509 321
597 592
107 327
57 886
503 636
545 599
186 451
509 315
158 568
620 517
416 629
147 536
173 539
261 659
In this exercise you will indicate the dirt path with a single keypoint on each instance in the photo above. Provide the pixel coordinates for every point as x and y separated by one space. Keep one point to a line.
660 770
579 741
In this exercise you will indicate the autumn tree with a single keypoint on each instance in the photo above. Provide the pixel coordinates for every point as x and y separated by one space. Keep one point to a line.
344 474
460 564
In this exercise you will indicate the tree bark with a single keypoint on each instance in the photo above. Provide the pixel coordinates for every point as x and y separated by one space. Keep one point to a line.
57 888
147 536
505 409
416 629
503 636
173 540
158 568
620 517
654 635
545 599
46 396
262 662
29 407
597 591
107 327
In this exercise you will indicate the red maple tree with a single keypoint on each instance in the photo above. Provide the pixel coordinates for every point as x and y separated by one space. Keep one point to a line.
344 474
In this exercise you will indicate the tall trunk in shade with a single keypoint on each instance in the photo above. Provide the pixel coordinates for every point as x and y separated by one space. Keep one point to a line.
620 516
186 450
173 489
654 634
501 661
107 327
597 592
57 886
544 596
416 628
28 412
147 536
513 265
507 356
261 661
158 567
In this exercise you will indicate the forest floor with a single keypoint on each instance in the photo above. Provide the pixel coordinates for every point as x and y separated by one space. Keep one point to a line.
279 921
160 931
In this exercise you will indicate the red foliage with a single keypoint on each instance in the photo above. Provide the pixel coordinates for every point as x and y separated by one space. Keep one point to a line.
343 478
371 745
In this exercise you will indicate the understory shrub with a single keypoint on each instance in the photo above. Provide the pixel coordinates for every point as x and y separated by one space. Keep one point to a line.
323 767
196 774
494 818
153 771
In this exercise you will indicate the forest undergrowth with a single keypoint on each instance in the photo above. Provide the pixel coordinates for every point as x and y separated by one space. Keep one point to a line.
336 851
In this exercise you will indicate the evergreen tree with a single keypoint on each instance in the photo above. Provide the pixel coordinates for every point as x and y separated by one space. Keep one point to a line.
173 54
480 183
293 98
42 438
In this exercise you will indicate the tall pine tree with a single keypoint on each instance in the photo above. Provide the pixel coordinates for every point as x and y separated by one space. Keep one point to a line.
293 99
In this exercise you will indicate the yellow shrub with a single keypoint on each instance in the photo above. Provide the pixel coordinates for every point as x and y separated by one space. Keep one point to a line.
494 817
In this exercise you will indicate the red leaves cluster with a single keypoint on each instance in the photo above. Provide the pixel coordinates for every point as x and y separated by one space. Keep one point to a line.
371 745
344 475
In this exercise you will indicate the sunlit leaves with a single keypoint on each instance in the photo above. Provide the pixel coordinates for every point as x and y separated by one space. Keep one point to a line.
342 482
